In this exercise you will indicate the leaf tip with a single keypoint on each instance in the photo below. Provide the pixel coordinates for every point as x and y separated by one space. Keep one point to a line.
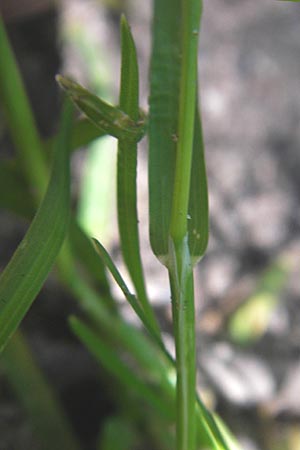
124 22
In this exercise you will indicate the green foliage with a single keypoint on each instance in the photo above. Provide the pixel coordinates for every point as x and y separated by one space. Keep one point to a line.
19 117
109 119
127 171
48 418
164 134
26 272
117 433
136 359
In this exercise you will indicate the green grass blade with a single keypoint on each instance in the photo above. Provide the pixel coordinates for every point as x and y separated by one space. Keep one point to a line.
107 117
206 420
131 298
164 102
208 430
26 272
164 137
114 327
129 86
127 172
19 116
135 342
15 197
106 356
198 222
45 412
190 14
85 252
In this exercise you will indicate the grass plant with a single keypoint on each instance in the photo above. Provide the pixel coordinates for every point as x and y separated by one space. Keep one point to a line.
178 212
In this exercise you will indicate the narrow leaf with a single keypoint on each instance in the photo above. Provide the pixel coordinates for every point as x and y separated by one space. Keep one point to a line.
84 250
19 116
108 118
131 298
118 368
127 173
164 103
208 429
27 270
163 139
198 203
132 301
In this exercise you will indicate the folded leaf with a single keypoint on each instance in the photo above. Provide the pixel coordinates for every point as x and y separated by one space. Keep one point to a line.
163 137
107 117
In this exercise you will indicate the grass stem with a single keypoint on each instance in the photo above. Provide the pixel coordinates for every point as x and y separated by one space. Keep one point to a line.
180 266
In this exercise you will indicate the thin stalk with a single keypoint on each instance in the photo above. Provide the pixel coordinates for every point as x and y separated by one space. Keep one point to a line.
180 266
182 290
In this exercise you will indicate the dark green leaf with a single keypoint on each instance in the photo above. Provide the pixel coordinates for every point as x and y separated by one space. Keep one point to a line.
27 270
127 173
163 124
19 117
163 120
108 262
111 361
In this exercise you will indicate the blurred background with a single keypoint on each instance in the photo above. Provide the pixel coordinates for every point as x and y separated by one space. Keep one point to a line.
248 284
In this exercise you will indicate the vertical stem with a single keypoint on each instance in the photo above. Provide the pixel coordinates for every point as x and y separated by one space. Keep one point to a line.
180 267
182 289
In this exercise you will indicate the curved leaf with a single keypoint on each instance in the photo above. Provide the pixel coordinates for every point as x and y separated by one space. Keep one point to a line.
28 268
